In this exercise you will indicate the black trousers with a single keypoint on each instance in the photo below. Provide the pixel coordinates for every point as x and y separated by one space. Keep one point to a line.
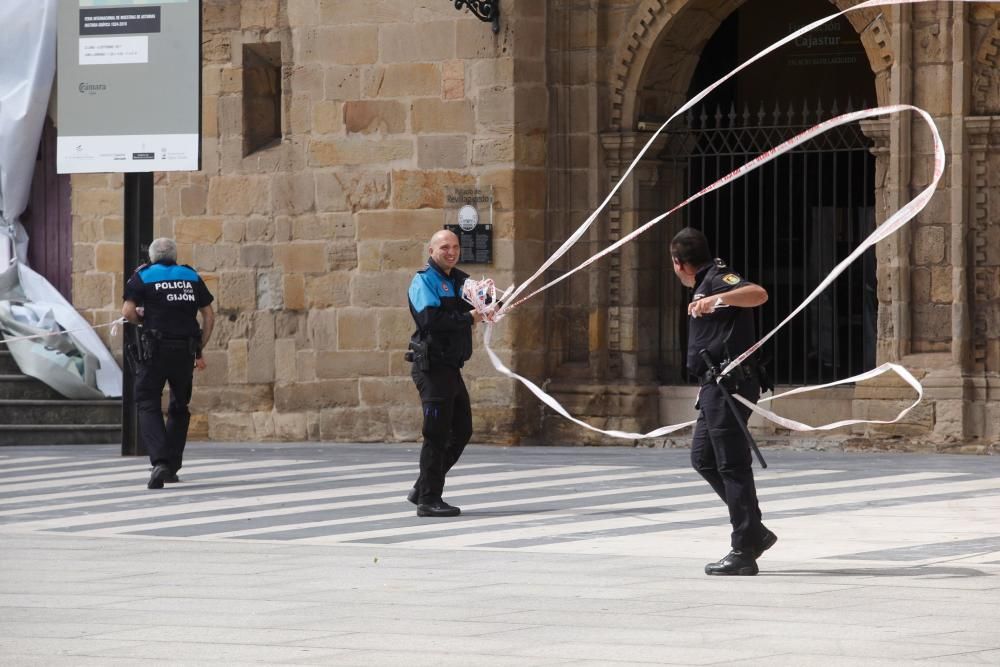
173 364
721 454
447 426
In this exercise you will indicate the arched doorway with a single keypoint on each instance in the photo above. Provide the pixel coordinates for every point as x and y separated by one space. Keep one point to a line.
786 225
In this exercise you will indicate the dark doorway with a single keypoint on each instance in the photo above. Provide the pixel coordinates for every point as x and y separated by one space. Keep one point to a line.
786 225
48 218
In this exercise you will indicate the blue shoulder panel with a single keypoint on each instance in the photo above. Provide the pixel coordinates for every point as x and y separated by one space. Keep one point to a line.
157 272
424 291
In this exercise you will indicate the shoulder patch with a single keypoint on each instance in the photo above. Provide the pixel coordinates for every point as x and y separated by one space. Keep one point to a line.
731 279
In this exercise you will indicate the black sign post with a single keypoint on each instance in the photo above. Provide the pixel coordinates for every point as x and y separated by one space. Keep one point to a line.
138 236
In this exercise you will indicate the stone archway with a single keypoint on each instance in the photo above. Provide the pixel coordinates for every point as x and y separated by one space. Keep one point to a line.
657 58
682 27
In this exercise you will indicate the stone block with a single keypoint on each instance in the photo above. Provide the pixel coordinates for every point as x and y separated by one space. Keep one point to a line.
293 292
342 255
358 151
371 116
303 13
198 427
395 325
385 390
411 254
239 195
233 398
237 291
417 226
331 365
424 42
293 193
929 245
406 422
352 190
348 45
263 425
434 115
83 257
301 257
230 427
236 361
322 329
354 425
476 43
342 83
941 289
453 89
317 395
215 373
193 200
93 290
328 289
261 349
109 257
387 288
529 189
403 80
305 365
291 427
490 151
425 189
97 202
443 152
327 117
261 230
355 328
342 12
256 256
198 230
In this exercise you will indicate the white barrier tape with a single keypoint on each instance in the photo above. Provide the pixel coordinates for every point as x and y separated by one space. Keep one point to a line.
687 105
113 324
897 220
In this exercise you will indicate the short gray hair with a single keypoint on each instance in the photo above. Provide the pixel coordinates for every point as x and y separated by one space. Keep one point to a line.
161 249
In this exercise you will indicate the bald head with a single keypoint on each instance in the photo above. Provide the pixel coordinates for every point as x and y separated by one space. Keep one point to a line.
445 250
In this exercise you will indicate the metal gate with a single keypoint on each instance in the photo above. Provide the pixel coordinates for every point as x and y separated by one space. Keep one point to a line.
784 226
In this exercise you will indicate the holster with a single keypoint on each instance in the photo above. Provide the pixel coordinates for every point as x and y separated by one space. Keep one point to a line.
418 354
149 344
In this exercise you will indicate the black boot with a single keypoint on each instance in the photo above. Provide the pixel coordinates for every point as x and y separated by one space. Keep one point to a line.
766 542
158 476
437 508
736 562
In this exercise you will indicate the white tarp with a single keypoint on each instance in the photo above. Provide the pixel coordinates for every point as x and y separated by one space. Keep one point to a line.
76 364
27 68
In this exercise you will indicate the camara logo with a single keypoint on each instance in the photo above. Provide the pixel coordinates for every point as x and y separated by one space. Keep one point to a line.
91 88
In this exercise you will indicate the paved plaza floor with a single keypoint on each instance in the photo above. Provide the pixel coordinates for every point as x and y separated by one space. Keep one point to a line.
310 554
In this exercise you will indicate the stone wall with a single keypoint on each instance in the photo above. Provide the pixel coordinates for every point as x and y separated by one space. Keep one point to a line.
309 244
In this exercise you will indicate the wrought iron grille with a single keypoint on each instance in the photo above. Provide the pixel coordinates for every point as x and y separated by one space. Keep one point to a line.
784 226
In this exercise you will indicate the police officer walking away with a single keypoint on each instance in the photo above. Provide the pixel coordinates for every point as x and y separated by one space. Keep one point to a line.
721 325
439 347
164 298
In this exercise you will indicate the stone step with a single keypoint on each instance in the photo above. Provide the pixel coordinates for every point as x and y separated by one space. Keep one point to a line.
24 386
59 412
59 434
7 364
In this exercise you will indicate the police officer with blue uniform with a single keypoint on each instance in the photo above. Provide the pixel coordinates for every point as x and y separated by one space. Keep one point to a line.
720 328
439 347
165 298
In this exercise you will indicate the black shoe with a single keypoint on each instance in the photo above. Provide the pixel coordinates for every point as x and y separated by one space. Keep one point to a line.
766 543
171 478
735 563
413 496
437 508
159 474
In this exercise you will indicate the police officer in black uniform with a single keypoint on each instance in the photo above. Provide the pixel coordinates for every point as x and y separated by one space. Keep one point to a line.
721 323
165 298
439 347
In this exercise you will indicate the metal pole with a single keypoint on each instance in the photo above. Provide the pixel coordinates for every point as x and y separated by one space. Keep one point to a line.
138 236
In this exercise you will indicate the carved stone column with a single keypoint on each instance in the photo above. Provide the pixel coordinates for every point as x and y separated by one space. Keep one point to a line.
632 269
